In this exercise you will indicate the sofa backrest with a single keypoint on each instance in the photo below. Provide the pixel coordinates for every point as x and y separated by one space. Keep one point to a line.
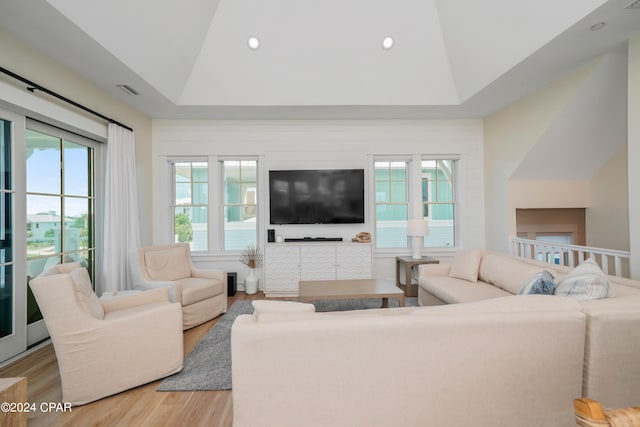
623 286
506 272
410 367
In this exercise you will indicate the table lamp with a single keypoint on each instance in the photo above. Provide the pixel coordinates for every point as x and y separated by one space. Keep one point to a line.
417 229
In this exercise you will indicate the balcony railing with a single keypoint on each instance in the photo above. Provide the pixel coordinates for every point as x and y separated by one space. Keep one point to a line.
613 262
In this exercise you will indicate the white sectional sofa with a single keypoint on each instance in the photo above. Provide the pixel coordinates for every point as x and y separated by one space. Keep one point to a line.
499 362
611 371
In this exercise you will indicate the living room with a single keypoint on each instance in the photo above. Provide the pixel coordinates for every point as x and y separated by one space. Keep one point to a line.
540 147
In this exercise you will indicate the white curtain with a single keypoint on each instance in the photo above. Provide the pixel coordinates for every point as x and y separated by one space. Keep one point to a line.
121 231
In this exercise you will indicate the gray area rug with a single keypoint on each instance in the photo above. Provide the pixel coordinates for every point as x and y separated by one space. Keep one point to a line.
208 366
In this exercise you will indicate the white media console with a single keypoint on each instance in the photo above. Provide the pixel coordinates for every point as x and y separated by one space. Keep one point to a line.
285 264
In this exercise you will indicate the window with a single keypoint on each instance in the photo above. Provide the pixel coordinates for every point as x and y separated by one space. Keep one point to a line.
191 204
401 189
391 203
240 203
6 231
235 184
438 202
60 204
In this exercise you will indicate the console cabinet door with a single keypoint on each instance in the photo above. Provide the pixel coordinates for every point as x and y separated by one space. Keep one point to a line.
353 262
318 263
282 269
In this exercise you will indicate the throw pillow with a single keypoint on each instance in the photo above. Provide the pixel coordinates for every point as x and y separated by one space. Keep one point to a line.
540 283
465 265
586 282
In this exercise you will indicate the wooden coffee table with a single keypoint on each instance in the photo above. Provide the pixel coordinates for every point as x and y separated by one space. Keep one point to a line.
350 289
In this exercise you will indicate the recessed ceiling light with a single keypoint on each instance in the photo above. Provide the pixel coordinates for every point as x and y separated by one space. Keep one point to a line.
598 26
253 43
387 43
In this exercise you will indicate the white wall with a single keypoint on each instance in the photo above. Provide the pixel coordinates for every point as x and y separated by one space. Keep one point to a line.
326 144
509 135
37 67
609 206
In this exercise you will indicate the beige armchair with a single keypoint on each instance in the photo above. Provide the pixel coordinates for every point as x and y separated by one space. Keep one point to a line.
105 347
201 293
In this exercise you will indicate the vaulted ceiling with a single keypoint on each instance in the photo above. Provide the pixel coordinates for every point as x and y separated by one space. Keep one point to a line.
191 59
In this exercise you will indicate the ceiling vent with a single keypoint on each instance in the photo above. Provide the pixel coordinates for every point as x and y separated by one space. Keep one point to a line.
634 5
128 89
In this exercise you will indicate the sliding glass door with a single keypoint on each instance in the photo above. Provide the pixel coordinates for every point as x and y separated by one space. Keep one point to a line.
60 207
12 295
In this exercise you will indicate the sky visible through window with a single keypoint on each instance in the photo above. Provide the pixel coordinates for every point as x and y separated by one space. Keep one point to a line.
43 177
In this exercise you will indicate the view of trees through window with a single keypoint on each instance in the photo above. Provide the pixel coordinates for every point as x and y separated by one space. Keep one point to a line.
191 204
192 213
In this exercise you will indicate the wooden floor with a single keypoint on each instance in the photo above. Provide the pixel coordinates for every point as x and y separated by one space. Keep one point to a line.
141 406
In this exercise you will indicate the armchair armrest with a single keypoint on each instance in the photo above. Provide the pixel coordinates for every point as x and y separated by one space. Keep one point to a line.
209 274
147 297
175 291
433 269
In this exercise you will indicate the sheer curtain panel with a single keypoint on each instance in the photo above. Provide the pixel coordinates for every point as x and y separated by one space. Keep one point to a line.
121 231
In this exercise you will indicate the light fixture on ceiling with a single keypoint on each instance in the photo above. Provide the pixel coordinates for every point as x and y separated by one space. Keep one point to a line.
128 89
253 43
598 26
387 43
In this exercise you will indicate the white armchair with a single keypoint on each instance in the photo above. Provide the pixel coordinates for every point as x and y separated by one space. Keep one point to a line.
201 293
105 347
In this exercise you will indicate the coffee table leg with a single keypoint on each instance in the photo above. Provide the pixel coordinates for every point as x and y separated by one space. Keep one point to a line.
385 303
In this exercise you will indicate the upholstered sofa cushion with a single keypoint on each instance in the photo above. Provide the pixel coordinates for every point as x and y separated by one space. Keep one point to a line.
88 300
168 264
505 304
196 289
263 307
507 273
452 290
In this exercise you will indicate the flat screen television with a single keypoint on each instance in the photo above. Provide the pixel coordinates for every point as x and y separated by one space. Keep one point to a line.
321 196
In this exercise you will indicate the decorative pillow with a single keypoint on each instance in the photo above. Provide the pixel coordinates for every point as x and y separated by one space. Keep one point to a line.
586 282
541 283
465 265
262 307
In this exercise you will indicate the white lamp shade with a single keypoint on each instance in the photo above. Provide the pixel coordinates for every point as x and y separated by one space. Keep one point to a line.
417 227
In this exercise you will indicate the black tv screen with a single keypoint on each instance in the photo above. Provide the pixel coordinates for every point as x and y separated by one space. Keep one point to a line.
331 196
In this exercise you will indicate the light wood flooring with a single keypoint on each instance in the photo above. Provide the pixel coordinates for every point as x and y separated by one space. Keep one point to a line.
141 406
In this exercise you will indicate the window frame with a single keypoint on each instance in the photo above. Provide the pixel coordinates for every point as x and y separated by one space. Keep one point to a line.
173 205
95 194
434 189
216 199
407 173
223 204
414 194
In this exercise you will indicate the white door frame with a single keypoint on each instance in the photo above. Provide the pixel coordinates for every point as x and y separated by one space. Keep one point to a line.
16 343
